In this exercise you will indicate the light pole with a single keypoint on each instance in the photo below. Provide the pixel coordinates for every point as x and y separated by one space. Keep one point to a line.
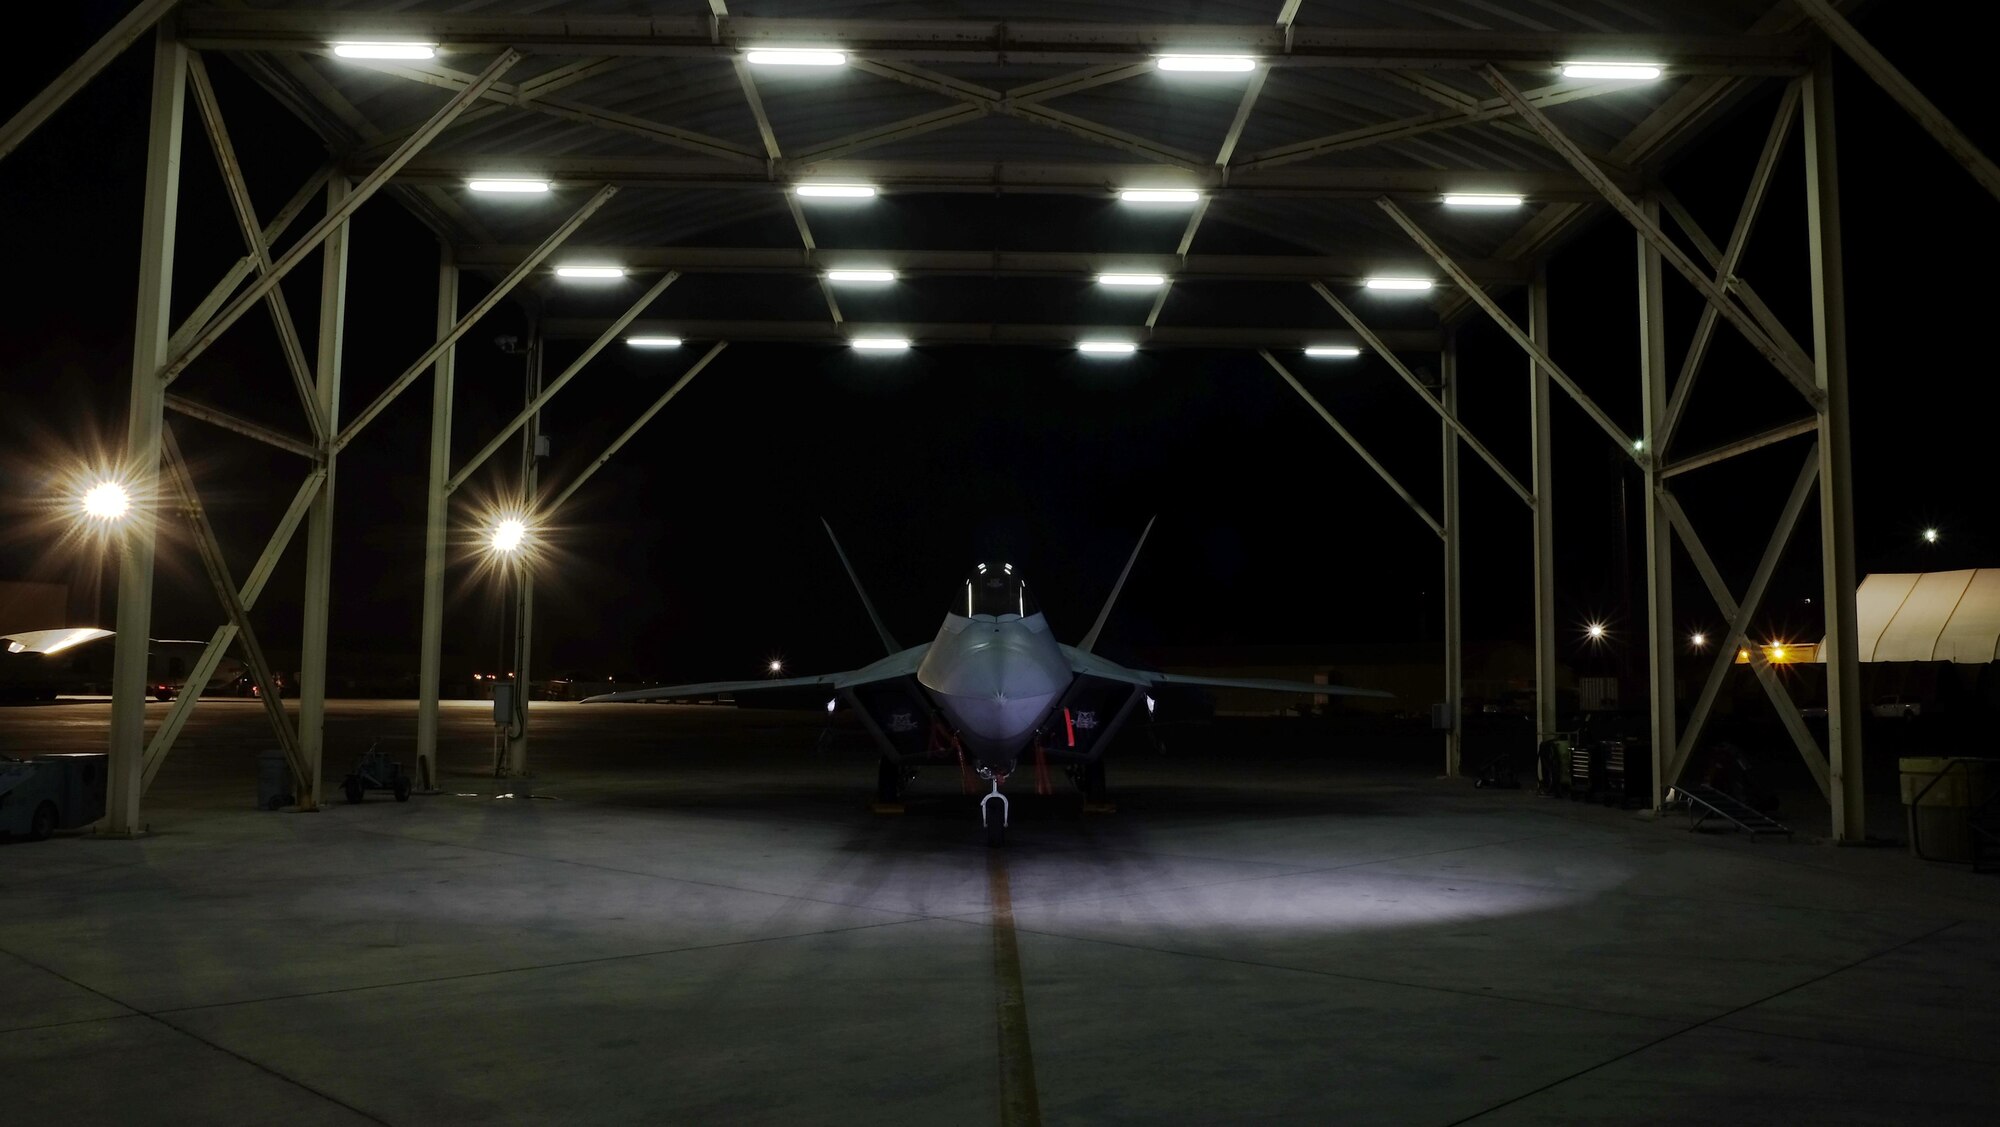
105 508
508 541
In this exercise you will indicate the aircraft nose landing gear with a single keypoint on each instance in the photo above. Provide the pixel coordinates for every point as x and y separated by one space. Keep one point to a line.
996 827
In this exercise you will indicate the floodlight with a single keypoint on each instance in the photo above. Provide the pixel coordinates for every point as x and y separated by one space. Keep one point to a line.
1595 630
860 275
1160 195
1210 64
508 535
1107 347
796 57
881 344
1482 199
505 185
1147 280
590 273
1624 72
386 50
1698 641
776 666
1412 285
653 342
834 191
1341 351
1930 535
107 501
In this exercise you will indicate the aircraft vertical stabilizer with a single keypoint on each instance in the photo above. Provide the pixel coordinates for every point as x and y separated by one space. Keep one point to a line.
881 631
1096 628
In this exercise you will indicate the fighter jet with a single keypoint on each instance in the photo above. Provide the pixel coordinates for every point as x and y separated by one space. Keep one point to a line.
993 691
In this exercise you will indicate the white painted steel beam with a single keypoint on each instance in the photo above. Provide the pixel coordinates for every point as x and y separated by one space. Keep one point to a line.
78 74
1662 695
436 523
548 511
1541 448
143 425
1354 443
318 595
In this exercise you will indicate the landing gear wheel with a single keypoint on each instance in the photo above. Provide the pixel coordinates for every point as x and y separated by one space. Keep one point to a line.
888 782
1093 781
44 822
353 789
402 788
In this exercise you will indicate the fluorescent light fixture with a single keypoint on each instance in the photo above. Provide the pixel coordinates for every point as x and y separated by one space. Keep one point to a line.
386 50
1408 284
881 344
1482 199
835 191
1107 347
1627 72
590 273
1342 351
653 342
797 57
860 275
1131 280
1211 64
515 185
1160 195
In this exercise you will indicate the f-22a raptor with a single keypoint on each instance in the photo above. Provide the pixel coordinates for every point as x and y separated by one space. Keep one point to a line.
993 690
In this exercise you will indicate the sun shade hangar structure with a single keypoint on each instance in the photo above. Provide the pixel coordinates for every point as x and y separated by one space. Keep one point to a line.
1929 616
1435 153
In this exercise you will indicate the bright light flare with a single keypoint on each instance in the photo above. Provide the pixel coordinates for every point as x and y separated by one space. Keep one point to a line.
1399 285
1483 199
107 501
881 344
653 342
1207 64
1107 347
503 185
386 50
1698 641
1332 351
1595 631
834 191
1930 535
1136 280
590 273
1160 195
508 535
1619 72
796 57
775 666
861 276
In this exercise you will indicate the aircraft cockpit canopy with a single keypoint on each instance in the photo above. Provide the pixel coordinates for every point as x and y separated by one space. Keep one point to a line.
996 589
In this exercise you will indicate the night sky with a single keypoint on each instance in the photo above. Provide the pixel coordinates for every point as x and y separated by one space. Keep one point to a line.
698 552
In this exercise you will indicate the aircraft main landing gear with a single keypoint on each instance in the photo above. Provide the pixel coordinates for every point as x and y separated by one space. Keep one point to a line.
996 827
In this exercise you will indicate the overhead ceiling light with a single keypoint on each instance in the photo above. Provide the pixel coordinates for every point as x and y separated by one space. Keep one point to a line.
797 57
1344 351
1483 199
1107 347
835 191
1131 280
860 275
386 50
1626 72
1406 284
1212 64
517 186
1160 195
653 342
881 344
590 273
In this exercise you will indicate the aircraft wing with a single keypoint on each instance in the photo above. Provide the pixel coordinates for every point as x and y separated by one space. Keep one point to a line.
1092 665
781 691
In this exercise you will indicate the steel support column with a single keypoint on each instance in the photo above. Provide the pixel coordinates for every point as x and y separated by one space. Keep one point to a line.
1659 533
1541 449
145 417
1836 465
430 659
1454 654
524 585
319 527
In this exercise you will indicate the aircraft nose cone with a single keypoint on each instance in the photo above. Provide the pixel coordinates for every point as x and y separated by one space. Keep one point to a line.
996 683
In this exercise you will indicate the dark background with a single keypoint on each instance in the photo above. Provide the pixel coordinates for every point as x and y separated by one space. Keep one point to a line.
697 552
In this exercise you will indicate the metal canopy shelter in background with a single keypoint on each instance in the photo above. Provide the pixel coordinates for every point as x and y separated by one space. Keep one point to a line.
1329 141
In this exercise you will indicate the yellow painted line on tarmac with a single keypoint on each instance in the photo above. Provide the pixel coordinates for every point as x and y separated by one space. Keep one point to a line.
1020 1104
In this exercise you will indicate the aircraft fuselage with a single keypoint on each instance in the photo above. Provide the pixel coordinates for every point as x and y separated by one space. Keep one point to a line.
995 677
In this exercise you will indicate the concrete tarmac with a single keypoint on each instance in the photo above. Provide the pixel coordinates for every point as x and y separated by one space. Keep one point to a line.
699 920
